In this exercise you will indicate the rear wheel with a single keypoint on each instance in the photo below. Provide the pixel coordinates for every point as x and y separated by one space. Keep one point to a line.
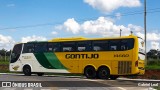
40 74
90 72
27 70
113 77
103 73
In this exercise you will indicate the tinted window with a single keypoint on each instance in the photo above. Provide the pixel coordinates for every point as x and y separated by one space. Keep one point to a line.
16 53
53 47
127 44
68 47
84 46
114 45
40 47
28 48
100 45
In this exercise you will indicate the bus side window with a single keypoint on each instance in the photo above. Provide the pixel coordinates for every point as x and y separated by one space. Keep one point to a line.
68 46
99 45
40 47
114 45
28 48
124 45
83 46
53 47
127 44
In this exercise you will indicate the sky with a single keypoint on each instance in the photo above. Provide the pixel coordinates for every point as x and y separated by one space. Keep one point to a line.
40 20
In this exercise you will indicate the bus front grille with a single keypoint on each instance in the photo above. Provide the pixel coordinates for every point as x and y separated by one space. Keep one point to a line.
124 67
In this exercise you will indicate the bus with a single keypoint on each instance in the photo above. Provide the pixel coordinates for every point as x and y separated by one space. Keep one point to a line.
102 58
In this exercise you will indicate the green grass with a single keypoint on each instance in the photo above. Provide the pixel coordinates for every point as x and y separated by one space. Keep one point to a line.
151 67
4 71
2 62
153 64
157 88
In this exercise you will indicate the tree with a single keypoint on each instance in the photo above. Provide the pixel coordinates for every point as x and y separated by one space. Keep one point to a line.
153 54
2 52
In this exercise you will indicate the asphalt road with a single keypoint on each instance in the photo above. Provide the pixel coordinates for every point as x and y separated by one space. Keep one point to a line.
57 82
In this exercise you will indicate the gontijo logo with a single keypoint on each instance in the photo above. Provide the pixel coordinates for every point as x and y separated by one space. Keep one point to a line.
82 56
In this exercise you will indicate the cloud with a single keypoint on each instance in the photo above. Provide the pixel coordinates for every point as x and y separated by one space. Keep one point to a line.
135 28
54 33
107 6
153 36
155 45
10 5
118 15
33 38
72 25
150 36
102 26
6 42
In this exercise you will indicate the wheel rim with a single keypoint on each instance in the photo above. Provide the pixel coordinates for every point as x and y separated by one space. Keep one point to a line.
103 73
90 72
27 70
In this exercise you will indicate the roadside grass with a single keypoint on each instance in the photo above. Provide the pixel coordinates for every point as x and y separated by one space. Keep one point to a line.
4 66
5 71
157 88
153 64
2 62
152 67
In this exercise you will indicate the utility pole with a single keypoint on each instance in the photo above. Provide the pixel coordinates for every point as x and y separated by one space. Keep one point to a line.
5 55
145 33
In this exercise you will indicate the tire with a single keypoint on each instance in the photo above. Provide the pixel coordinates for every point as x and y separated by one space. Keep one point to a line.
103 73
27 70
113 77
90 72
40 74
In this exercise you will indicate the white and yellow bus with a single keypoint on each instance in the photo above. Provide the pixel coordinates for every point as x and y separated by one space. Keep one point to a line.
95 58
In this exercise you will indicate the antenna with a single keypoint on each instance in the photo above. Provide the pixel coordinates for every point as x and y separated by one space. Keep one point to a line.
120 32
131 32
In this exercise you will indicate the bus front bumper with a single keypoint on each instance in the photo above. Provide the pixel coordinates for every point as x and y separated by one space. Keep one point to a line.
141 71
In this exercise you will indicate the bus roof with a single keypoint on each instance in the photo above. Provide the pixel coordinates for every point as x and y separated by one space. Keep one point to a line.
80 39
83 38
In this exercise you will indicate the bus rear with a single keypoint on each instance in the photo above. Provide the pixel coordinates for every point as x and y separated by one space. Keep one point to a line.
141 55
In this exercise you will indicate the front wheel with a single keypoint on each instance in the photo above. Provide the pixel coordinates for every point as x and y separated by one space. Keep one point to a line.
90 72
40 74
27 70
103 73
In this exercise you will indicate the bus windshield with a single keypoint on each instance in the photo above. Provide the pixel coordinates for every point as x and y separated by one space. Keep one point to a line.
16 53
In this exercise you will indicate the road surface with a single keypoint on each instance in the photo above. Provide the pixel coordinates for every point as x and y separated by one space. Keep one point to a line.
59 82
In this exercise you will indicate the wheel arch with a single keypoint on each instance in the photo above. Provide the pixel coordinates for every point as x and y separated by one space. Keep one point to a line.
106 66
27 65
90 65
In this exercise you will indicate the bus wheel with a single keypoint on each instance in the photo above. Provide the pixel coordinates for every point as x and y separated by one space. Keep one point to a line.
40 74
103 73
90 72
113 77
27 70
